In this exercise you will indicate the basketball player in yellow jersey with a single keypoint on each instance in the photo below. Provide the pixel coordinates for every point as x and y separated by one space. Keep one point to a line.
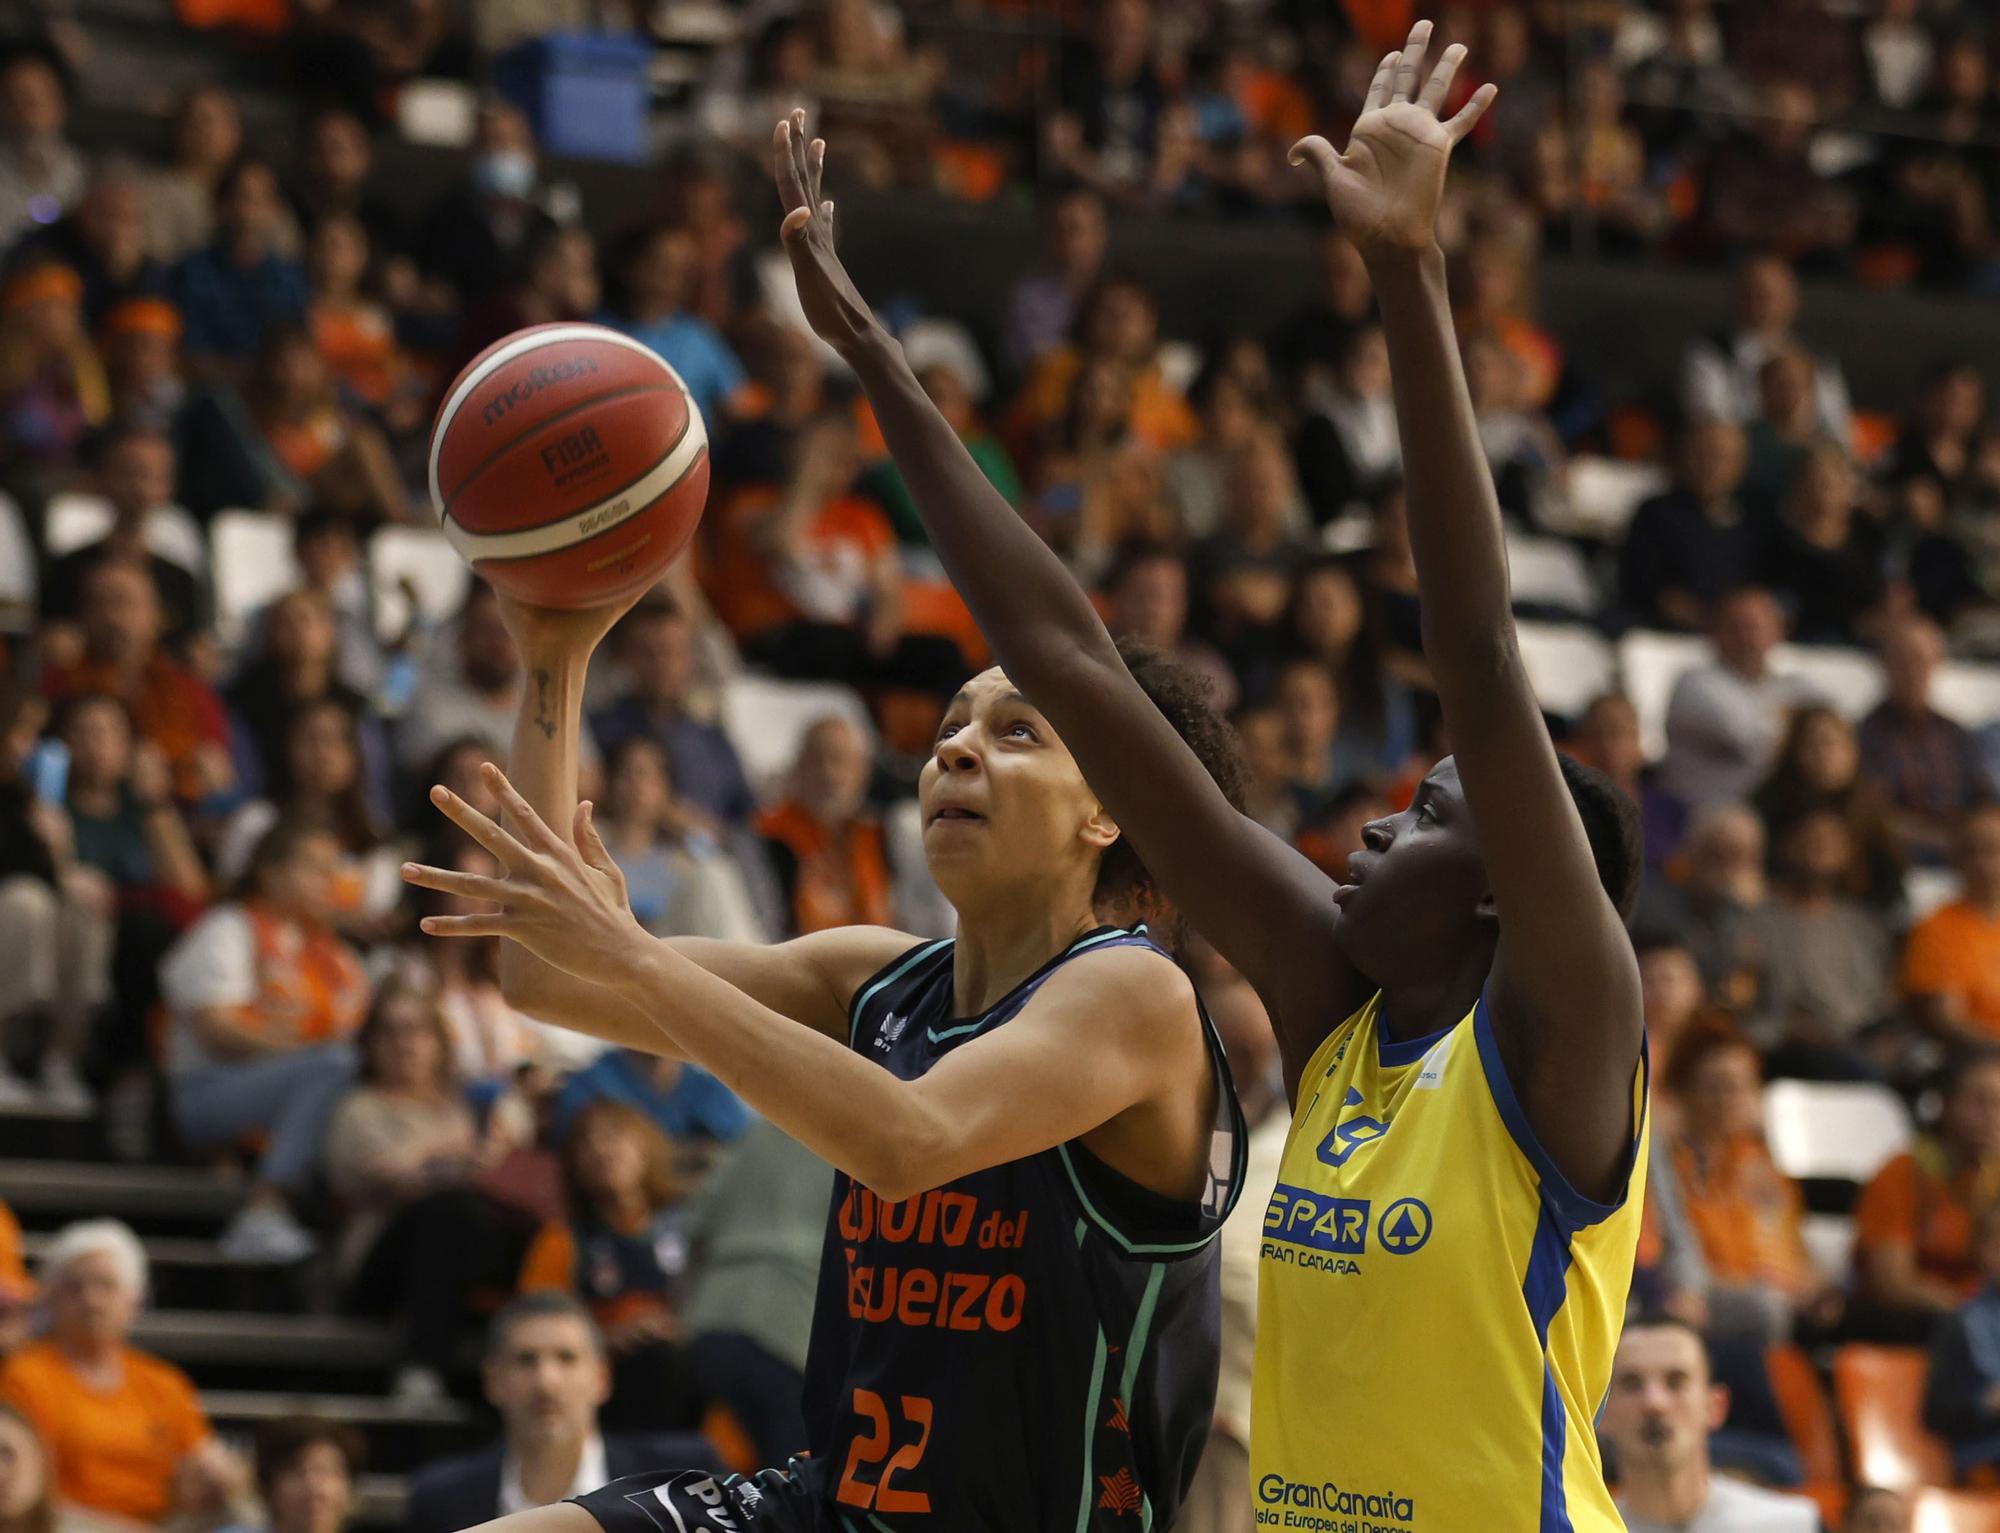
1445 1263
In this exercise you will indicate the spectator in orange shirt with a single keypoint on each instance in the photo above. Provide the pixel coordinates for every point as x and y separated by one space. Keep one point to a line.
1951 967
1118 322
356 335
621 1252
1747 1215
17 1290
262 997
312 449
122 656
829 853
809 581
124 1430
1914 1251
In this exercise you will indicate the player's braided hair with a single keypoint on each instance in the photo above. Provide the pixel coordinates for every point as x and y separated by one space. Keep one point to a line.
1611 821
1184 698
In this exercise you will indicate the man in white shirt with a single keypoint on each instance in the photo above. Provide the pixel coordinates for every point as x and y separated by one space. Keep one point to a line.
547 1374
1719 374
1662 1405
1727 718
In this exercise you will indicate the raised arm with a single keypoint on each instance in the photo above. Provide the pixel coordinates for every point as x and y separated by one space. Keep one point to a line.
1262 904
1564 998
809 980
1107 1033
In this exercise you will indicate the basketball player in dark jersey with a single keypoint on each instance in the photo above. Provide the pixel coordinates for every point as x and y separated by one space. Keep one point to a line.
1035 1135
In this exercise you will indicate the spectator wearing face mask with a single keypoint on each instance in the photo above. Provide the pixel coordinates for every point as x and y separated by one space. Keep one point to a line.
476 239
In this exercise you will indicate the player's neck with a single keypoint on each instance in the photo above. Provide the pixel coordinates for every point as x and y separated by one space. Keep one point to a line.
1667 1494
1417 1006
998 947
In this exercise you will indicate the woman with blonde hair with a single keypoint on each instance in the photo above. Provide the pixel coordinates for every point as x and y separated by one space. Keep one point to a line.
621 1251
125 1431
52 387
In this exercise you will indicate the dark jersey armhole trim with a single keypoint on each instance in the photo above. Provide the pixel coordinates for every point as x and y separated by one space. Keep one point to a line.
1131 1243
887 975
1575 1210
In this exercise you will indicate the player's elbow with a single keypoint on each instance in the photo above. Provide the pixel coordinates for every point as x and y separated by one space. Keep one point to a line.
909 1155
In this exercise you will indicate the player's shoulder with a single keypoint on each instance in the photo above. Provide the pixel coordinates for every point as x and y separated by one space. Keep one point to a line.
849 958
1135 981
1746 1505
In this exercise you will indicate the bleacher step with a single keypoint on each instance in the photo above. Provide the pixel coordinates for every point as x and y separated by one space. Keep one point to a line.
194 1338
142 1195
253 1405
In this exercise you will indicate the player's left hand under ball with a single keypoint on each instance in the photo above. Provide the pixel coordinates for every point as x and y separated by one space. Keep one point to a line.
563 899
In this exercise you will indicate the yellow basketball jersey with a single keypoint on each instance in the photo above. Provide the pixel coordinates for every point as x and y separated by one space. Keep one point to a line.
1437 1307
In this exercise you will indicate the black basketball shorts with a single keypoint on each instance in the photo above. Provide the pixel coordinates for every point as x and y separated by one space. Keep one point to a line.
695 1501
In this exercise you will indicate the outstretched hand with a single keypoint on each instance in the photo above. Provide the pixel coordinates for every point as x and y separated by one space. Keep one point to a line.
1385 189
561 898
837 312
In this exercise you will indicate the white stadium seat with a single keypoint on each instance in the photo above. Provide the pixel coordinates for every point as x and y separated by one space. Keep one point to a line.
1841 1131
766 719
1602 495
1925 889
1547 572
17 569
1568 665
1829 1242
1650 663
1968 693
71 522
429 564
1847 679
251 553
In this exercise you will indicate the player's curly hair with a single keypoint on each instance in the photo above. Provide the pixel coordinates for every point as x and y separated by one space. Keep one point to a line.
1611 821
1185 698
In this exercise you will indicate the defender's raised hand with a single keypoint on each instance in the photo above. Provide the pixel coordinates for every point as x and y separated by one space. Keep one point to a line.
1385 189
563 899
837 312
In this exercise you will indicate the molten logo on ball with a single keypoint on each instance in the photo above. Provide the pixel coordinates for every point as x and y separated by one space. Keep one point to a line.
528 387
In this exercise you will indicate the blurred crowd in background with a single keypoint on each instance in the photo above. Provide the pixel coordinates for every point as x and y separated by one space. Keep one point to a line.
208 345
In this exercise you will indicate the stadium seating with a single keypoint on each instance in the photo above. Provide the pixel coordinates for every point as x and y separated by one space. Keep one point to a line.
1549 575
1880 1393
766 719
252 563
407 563
1956 1511
1568 665
1603 494
17 570
71 522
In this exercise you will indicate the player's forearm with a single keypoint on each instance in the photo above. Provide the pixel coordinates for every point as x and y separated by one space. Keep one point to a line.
542 764
847 1110
1454 516
1036 617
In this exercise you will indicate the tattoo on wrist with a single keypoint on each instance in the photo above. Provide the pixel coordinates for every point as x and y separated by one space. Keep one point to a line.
544 720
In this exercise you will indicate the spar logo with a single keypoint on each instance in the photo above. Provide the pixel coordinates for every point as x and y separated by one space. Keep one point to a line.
539 378
1325 1507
